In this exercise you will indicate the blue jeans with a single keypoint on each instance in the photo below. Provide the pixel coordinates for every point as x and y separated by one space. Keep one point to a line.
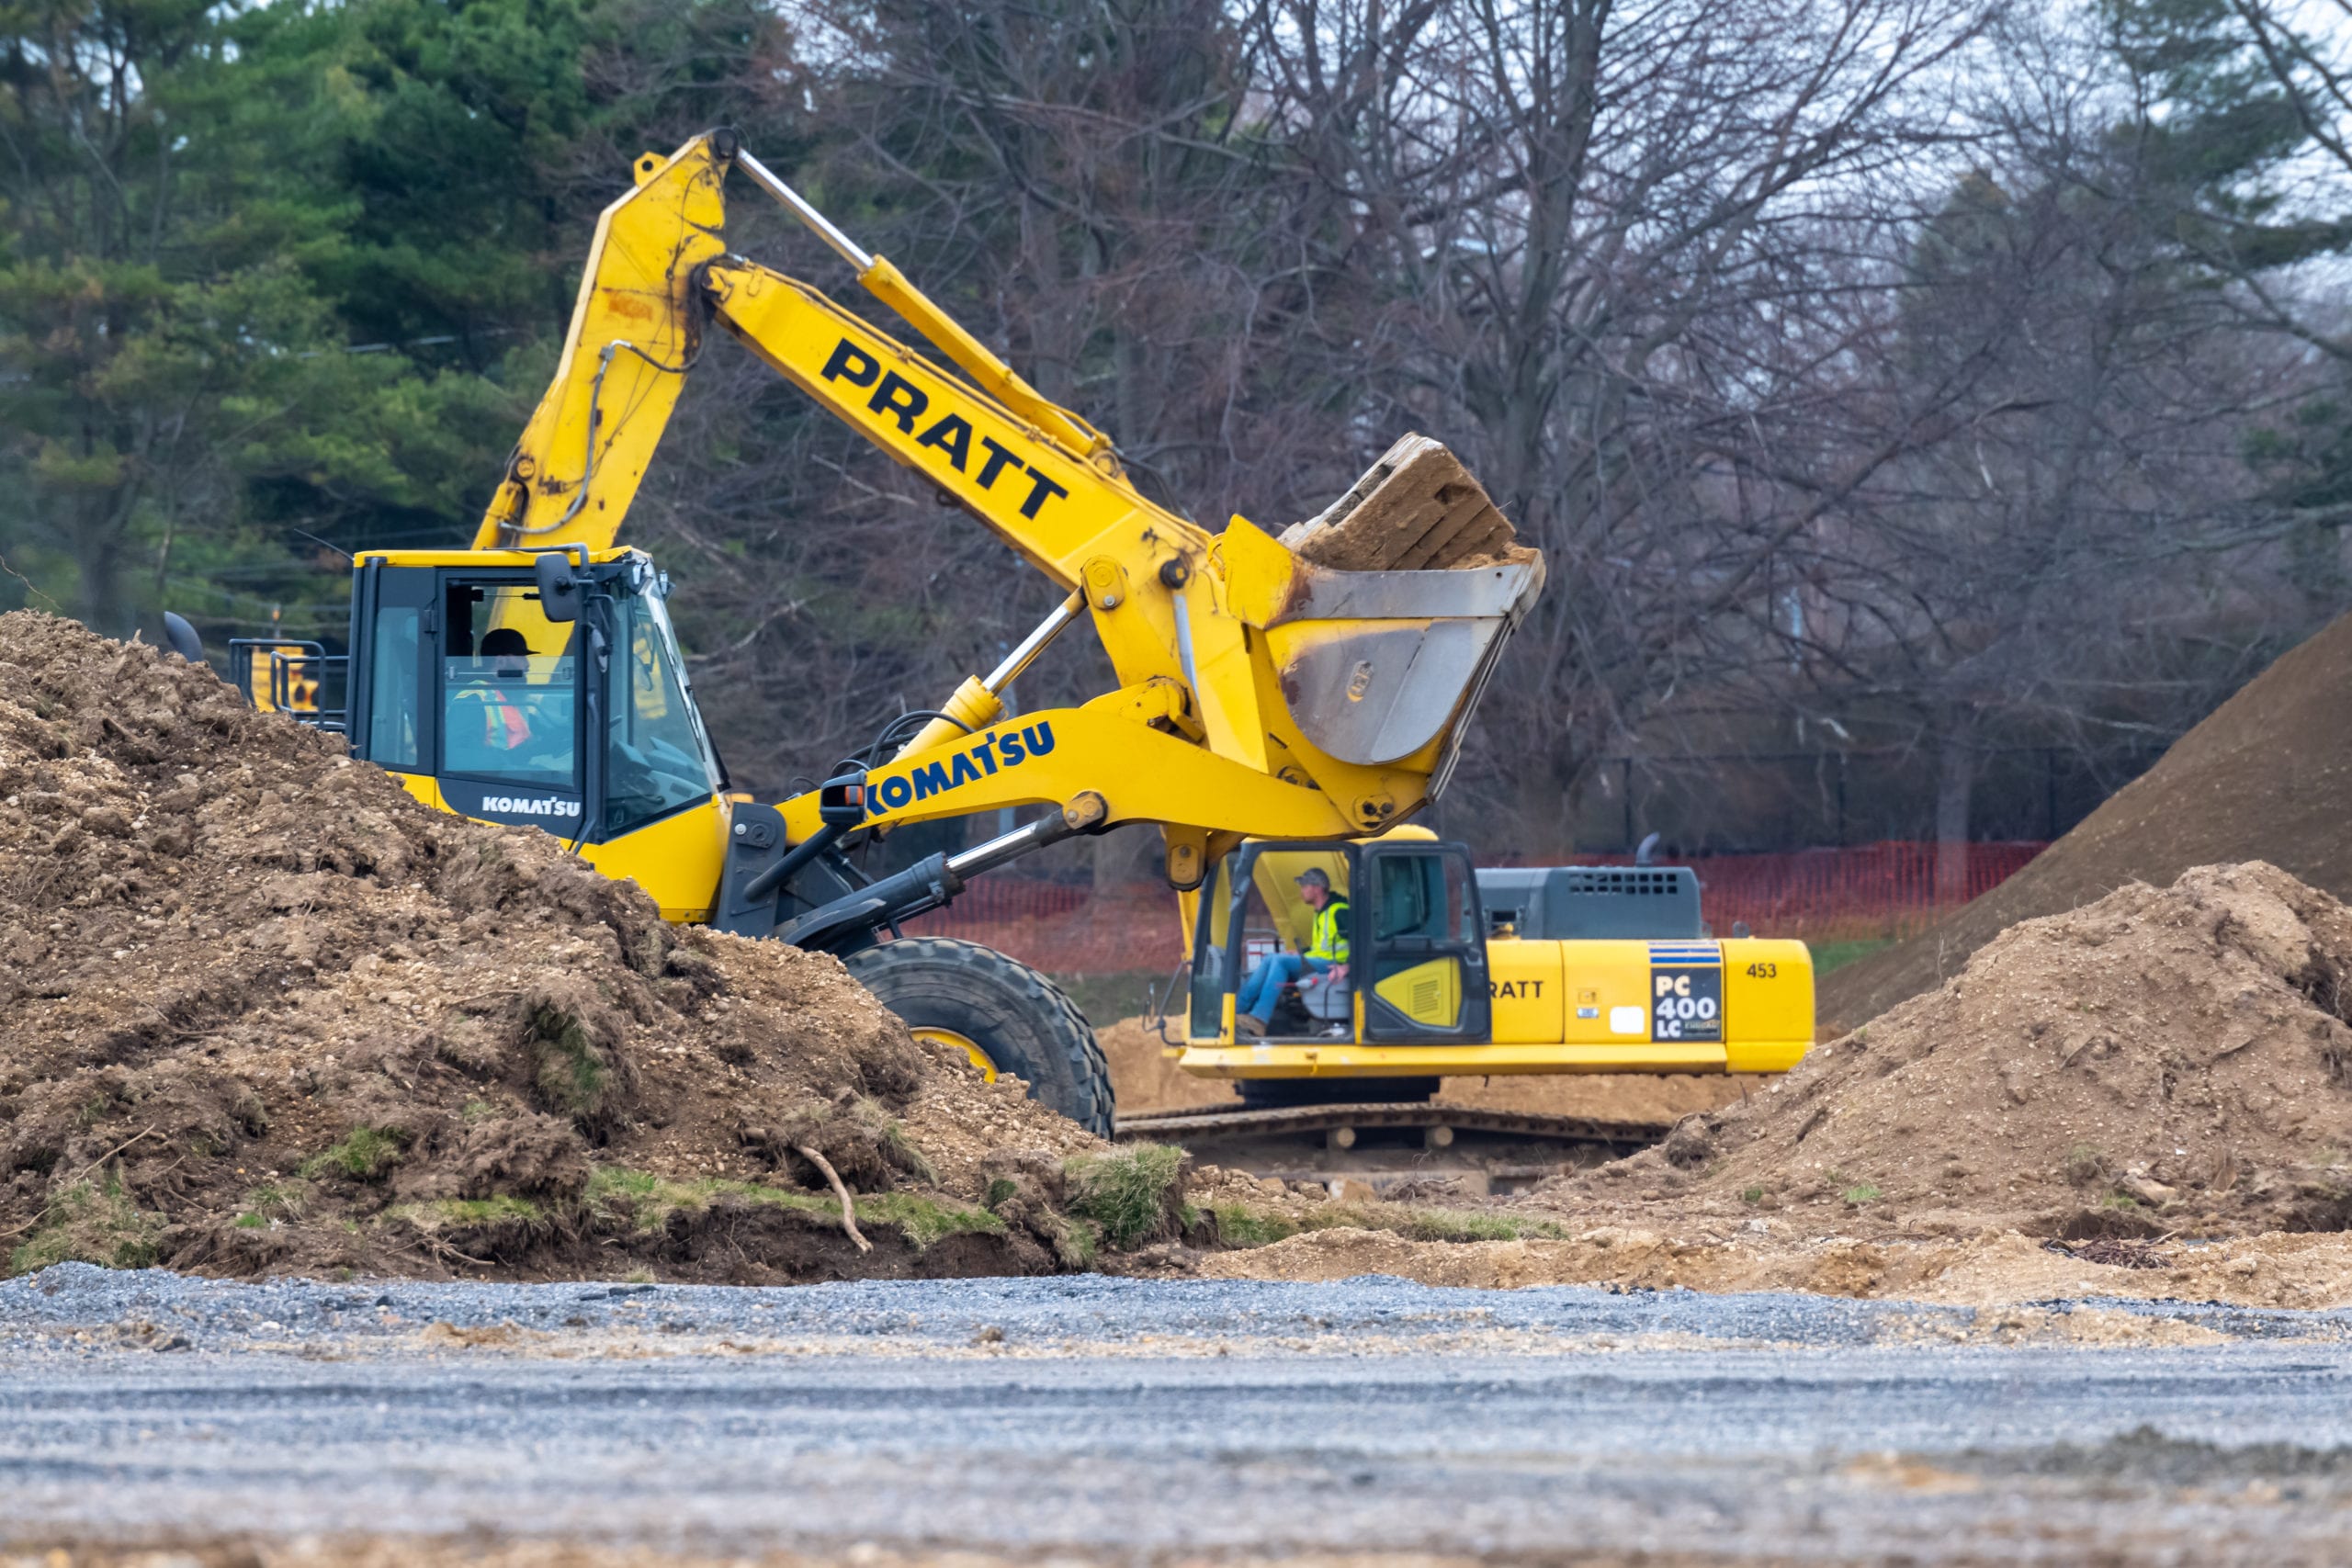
1265 985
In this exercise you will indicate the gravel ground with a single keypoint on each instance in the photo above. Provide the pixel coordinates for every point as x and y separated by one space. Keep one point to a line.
1151 1420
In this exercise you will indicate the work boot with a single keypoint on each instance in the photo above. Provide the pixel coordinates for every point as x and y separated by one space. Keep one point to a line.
1251 1025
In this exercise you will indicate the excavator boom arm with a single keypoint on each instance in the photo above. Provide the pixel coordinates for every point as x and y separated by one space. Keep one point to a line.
657 275
636 331
657 270
1338 695
1064 514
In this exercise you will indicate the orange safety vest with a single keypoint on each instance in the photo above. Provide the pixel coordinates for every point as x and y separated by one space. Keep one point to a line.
503 728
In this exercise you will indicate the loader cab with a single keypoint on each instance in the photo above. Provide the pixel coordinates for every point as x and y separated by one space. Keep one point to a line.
1417 961
542 689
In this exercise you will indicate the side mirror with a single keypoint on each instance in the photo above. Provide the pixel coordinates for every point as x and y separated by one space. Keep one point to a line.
841 803
558 587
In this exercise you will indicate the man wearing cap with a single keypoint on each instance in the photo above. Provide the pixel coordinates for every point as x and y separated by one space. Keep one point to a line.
504 728
1327 949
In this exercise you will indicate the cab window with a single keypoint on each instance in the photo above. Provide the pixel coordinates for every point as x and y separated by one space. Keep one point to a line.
1282 908
659 761
392 702
509 691
1210 960
1422 898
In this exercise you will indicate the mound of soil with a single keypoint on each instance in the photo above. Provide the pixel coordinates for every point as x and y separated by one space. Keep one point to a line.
1415 509
1144 1082
262 1012
2165 1060
2263 778
1992 1268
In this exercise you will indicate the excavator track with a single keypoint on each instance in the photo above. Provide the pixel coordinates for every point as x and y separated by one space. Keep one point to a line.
1380 1145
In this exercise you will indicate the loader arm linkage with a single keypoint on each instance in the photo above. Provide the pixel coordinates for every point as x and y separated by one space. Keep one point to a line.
1258 693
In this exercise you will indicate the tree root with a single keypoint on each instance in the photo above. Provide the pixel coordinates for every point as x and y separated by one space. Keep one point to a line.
849 1213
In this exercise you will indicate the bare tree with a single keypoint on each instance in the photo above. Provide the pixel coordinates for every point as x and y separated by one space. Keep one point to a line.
1809 423
1607 242
2078 552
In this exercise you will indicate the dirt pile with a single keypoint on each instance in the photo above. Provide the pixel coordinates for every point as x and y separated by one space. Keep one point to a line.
2164 1061
1417 509
2263 778
1992 1268
261 1011
1144 1082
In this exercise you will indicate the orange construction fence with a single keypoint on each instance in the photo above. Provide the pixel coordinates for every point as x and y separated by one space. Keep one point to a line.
1859 893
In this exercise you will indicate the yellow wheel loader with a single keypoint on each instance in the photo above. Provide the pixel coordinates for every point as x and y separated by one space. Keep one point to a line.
534 678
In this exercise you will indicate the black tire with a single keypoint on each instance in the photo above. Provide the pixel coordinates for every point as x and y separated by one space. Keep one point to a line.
1025 1022
1288 1094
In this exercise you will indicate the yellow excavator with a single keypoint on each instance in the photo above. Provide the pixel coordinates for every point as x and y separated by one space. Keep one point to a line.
1265 706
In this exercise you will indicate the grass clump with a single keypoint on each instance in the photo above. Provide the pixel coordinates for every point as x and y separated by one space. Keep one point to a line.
1752 1195
1828 956
91 1223
365 1154
923 1221
1131 1192
566 1066
452 1213
1861 1192
900 1151
1079 1244
1444 1225
619 1182
890 1135
1239 1226
269 1203
645 1202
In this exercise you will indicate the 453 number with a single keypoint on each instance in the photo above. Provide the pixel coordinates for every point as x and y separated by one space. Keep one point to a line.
1763 971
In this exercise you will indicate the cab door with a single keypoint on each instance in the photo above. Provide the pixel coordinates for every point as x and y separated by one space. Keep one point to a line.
1419 957
508 712
391 713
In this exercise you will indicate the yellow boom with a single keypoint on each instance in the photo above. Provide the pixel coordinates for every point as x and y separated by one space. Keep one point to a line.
1258 693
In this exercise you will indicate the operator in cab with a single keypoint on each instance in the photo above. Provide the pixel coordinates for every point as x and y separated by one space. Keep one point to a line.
1327 950
505 727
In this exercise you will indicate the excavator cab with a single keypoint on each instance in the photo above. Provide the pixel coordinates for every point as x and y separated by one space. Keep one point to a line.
1416 969
1457 970
544 689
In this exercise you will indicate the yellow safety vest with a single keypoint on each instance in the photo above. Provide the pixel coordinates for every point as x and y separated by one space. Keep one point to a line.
1330 937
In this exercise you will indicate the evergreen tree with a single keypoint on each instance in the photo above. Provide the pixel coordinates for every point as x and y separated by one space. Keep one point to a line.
2233 121
281 283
